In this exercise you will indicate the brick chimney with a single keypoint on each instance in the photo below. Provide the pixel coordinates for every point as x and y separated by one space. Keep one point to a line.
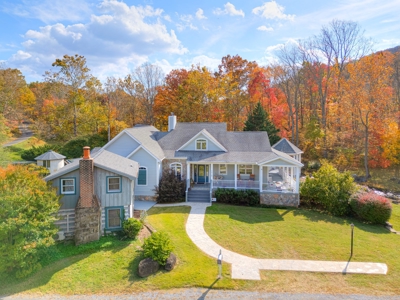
86 167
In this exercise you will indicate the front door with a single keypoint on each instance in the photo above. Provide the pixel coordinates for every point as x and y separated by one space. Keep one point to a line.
201 178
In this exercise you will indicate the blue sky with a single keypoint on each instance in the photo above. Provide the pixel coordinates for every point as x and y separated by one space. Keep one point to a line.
117 36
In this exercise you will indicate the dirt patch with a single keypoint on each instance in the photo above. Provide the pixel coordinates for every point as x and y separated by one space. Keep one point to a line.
144 233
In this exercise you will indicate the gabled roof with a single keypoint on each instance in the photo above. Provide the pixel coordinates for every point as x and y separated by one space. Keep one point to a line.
280 155
50 155
105 160
232 141
287 147
208 136
146 136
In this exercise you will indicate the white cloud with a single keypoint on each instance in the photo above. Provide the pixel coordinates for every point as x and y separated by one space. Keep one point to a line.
265 28
229 10
272 10
200 14
204 60
120 38
186 23
50 10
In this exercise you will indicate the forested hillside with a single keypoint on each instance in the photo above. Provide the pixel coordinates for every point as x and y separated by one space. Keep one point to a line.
330 94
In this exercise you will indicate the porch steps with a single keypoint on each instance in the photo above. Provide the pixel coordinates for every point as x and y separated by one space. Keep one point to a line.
199 195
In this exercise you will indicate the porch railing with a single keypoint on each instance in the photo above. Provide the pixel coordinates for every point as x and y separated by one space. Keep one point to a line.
223 183
282 188
241 184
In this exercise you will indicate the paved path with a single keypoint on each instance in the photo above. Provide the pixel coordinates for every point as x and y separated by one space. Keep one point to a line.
244 267
26 133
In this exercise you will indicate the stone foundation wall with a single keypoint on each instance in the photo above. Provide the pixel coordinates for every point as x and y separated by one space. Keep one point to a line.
145 198
280 199
87 224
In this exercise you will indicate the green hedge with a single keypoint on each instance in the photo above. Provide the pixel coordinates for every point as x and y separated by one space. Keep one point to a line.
238 197
328 190
371 207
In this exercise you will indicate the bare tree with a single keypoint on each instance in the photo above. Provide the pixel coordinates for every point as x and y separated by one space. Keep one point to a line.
146 79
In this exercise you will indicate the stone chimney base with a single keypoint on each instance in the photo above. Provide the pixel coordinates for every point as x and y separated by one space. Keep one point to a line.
87 224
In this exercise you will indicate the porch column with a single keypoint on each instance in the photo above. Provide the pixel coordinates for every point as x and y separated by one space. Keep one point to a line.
187 175
260 176
211 174
235 176
297 180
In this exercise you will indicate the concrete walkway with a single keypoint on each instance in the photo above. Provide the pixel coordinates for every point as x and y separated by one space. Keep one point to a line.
244 267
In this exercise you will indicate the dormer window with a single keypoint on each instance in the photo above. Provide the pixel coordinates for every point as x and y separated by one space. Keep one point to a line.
201 144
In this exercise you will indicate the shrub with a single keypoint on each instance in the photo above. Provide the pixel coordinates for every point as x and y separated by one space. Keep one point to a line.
328 190
158 247
170 188
33 152
238 197
28 208
371 207
73 148
131 227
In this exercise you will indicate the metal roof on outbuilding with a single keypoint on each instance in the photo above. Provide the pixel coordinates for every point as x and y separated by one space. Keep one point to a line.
50 155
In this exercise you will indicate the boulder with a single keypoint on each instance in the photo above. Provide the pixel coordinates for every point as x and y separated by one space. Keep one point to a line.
147 267
171 262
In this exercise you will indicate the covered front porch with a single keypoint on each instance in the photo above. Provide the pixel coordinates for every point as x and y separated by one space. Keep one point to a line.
277 177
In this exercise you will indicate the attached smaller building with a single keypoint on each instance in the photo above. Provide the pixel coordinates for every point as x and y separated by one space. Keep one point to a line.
100 187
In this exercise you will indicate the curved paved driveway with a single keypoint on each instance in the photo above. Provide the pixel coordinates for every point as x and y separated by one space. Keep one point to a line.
244 267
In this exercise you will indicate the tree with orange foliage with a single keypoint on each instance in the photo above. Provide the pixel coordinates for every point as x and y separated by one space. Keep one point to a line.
368 92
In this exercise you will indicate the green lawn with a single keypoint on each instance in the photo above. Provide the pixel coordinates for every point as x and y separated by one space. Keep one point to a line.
110 266
304 234
16 150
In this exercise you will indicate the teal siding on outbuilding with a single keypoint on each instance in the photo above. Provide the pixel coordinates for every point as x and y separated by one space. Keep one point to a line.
68 201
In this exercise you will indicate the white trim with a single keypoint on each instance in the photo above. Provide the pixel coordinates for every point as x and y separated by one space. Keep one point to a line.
176 163
291 161
201 140
226 169
147 175
108 184
252 168
144 148
116 138
208 137
69 192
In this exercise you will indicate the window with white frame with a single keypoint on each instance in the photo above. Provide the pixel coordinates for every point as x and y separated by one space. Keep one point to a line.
114 217
67 186
113 184
201 144
177 169
142 177
245 169
223 169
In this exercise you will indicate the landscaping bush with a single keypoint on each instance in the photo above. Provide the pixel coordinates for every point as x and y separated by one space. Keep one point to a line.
238 197
73 148
158 247
33 152
131 227
328 190
170 188
371 207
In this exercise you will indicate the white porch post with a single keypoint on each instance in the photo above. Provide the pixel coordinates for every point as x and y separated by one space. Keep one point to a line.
297 180
187 176
211 173
235 176
261 177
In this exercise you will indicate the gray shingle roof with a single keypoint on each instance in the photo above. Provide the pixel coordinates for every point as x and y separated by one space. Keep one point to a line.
50 155
146 135
287 147
104 160
233 141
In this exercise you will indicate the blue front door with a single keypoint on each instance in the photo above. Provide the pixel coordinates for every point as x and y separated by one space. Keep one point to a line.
201 178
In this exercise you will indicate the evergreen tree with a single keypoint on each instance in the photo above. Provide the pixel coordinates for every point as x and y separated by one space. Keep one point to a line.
258 120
